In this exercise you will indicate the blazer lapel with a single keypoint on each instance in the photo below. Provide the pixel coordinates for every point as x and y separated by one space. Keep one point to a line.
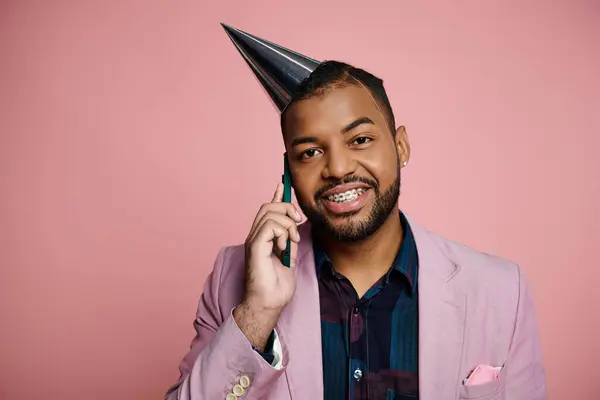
442 308
299 327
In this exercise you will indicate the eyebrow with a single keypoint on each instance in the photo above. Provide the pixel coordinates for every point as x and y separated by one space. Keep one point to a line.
357 122
346 129
303 140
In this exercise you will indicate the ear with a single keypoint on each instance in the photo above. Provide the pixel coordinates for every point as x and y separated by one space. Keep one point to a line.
403 146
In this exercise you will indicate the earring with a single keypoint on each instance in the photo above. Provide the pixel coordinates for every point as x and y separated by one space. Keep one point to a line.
404 164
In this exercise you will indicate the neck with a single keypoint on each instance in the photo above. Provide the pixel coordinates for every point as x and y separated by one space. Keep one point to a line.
371 256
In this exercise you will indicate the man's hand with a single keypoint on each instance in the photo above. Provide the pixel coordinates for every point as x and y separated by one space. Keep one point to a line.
270 285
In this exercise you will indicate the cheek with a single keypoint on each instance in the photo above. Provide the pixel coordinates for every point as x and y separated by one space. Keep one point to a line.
383 167
305 186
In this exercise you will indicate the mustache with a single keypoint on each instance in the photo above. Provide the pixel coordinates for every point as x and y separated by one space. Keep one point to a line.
345 180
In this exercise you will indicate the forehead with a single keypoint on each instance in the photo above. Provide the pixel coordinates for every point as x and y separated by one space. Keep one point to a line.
332 111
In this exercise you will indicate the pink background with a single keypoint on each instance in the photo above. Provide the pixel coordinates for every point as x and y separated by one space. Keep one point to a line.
134 142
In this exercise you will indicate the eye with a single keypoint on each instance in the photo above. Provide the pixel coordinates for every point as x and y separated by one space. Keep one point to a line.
362 140
308 153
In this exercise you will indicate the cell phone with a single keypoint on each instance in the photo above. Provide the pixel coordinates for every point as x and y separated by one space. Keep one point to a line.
287 197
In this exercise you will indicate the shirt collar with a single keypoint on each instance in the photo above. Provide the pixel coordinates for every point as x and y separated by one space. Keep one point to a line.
406 262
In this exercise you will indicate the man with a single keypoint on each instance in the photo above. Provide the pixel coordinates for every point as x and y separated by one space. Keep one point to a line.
374 306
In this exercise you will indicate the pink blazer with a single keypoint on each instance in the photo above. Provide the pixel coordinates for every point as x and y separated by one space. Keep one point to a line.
474 309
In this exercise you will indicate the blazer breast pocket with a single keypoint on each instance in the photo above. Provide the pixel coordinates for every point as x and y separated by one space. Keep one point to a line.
493 390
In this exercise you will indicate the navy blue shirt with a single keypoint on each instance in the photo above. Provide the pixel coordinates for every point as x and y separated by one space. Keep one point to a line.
370 344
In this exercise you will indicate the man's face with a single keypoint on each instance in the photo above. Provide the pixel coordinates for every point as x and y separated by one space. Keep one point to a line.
345 163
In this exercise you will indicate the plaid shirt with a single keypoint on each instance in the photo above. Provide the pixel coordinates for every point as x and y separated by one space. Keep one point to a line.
369 345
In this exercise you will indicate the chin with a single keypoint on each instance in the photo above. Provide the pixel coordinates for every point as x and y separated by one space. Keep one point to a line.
348 217
348 229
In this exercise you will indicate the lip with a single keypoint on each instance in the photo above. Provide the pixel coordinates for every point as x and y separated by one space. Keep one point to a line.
345 188
352 206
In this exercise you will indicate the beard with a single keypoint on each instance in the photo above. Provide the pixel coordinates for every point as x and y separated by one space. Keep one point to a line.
350 230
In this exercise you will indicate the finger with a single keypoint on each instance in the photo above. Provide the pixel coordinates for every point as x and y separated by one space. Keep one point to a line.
278 196
277 199
290 227
282 220
270 231
293 254
282 242
276 250
282 208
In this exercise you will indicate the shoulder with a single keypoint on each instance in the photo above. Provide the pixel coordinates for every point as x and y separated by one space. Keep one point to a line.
477 272
477 264
495 287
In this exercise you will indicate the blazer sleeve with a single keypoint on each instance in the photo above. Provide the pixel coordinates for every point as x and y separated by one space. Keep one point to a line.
526 376
220 360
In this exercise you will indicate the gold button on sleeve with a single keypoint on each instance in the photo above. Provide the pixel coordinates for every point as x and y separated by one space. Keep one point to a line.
238 390
245 381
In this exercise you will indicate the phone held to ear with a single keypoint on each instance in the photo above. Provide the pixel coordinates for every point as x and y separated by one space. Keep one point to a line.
287 197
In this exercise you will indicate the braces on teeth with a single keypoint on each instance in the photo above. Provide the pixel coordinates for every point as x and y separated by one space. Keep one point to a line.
347 196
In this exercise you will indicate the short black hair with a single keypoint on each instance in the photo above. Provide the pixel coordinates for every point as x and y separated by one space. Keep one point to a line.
336 74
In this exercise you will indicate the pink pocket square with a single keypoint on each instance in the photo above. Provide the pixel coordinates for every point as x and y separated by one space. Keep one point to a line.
482 374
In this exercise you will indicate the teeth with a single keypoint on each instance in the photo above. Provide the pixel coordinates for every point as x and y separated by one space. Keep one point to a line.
347 196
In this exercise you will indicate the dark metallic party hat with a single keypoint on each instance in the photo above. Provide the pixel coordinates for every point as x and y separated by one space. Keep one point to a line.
278 69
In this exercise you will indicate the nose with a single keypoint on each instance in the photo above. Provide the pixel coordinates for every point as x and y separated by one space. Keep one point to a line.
339 163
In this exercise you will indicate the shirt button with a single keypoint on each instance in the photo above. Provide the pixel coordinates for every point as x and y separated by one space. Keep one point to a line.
355 310
357 374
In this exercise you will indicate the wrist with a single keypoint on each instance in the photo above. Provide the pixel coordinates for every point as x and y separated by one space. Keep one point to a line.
256 324
259 311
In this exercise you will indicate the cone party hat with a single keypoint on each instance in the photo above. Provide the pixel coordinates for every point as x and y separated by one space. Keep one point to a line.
278 69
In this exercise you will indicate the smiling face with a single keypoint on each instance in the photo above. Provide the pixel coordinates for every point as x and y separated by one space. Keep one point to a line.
344 160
